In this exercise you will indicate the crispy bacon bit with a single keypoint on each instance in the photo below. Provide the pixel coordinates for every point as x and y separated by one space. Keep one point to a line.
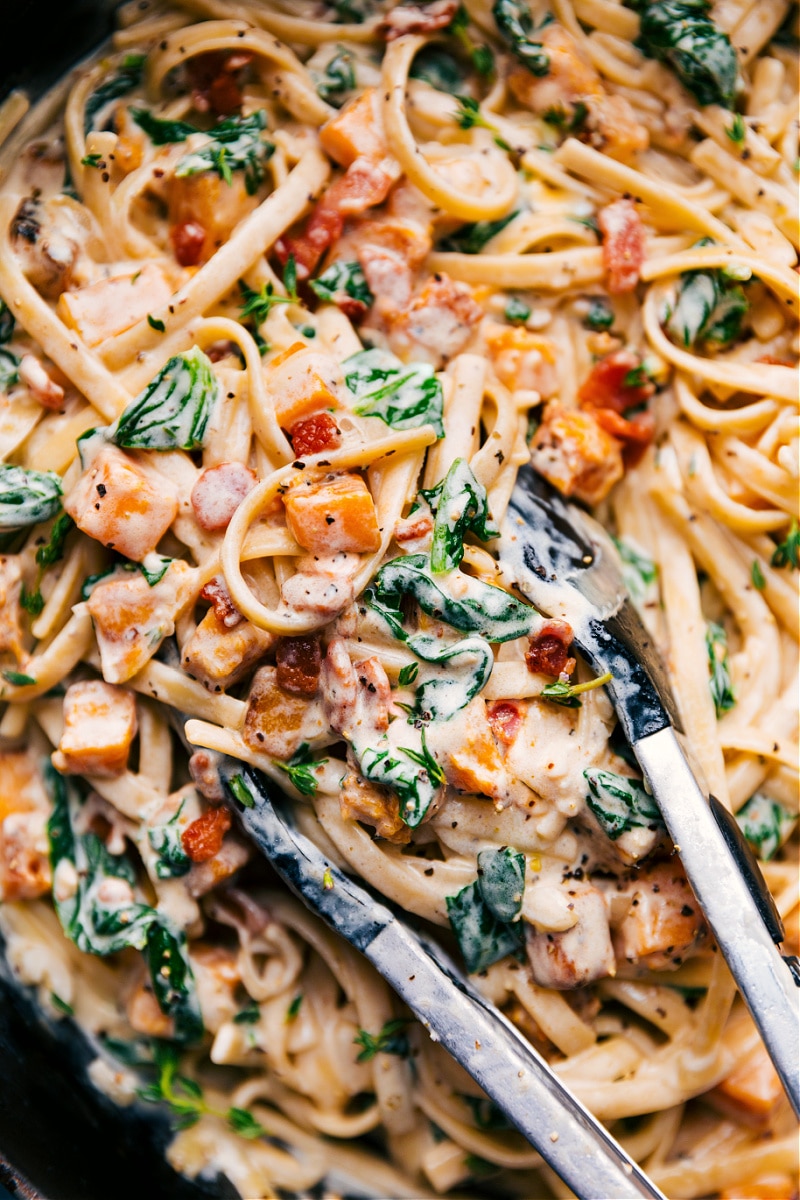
410 18
49 393
188 238
414 526
203 768
363 185
772 361
605 387
635 434
218 493
505 719
314 434
215 86
202 839
547 652
623 245
218 596
298 660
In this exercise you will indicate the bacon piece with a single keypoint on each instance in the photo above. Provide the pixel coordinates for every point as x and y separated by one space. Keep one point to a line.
202 839
409 18
547 652
218 596
277 723
298 661
314 434
437 323
188 238
623 245
605 387
49 393
636 434
218 493
204 770
505 720
413 527
363 185
215 83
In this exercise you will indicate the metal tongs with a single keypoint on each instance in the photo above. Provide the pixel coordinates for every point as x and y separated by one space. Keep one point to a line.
510 1071
567 566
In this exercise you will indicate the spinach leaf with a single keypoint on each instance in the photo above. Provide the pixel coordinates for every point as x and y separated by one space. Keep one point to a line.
119 84
391 1040
7 323
173 410
468 115
173 981
353 12
639 571
709 307
439 68
766 824
787 552
501 877
403 396
719 669
27 497
236 145
459 503
515 22
517 312
9 369
416 777
460 671
339 78
160 132
619 803
53 550
172 860
96 907
482 939
471 239
341 281
480 608
154 568
682 34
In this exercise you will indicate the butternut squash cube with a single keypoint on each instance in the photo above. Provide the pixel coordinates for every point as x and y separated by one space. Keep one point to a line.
99 726
356 131
333 515
119 504
302 382
111 306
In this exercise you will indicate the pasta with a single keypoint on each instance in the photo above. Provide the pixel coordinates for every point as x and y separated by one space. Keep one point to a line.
289 292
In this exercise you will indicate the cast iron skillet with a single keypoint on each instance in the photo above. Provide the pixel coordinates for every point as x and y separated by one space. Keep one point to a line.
60 1139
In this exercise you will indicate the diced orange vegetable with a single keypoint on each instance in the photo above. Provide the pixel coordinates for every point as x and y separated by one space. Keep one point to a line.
111 306
21 787
120 504
213 204
576 455
332 515
360 800
522 359
99 726
474 764
356 131
772 1186
275 722
218 656
302 382
752 1089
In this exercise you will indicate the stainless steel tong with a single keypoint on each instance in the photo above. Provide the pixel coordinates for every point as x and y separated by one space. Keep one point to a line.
510 1071
567 566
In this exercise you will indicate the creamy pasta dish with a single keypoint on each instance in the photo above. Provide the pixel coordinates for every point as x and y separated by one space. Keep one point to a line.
290 292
